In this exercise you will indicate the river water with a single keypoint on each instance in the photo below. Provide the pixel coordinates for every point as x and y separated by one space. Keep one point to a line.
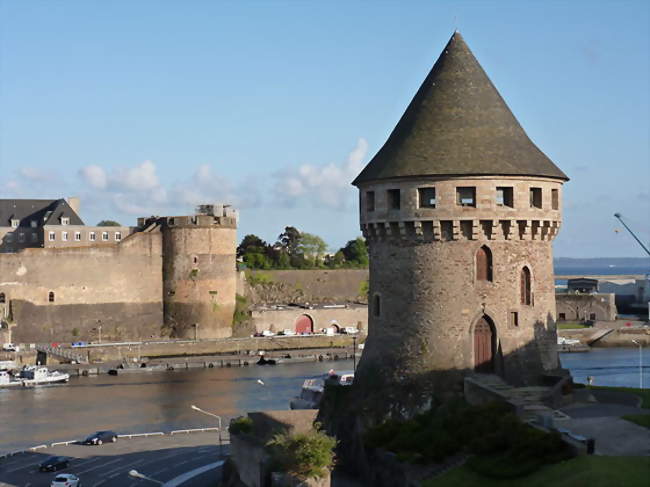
160 401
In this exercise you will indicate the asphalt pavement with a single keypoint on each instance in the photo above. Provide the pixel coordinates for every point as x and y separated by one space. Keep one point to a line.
177 460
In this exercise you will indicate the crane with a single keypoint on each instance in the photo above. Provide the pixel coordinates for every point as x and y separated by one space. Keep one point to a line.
618 215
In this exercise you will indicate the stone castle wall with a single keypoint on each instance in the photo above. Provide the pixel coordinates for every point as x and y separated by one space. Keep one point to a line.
117 287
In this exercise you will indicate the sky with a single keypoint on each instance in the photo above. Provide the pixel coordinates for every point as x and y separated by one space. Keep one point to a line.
151 107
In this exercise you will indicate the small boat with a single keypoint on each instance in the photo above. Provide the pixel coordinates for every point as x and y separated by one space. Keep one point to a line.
312 390
7 380
32 375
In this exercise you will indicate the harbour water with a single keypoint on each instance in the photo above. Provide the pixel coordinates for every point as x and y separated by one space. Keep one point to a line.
160 401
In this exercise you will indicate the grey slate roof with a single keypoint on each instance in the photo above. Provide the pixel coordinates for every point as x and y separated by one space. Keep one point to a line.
45 212
456 125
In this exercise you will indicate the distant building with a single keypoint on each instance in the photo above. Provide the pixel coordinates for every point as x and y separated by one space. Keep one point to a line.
36 223
582 285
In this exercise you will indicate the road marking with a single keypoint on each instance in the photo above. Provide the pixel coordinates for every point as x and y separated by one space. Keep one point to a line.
181 479
100 466
100 483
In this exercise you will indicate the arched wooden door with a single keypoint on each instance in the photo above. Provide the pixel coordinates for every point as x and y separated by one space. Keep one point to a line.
483 346
304 324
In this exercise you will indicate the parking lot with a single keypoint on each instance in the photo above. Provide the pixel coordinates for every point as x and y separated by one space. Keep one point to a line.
170 458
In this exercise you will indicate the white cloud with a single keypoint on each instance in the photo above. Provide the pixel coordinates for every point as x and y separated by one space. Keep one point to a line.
326 185
34 174
95 176
138 178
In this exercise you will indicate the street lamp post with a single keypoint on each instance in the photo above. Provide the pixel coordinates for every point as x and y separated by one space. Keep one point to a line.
214 416
640 362
137 475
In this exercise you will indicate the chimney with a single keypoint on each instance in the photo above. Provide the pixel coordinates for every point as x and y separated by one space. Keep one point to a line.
74 203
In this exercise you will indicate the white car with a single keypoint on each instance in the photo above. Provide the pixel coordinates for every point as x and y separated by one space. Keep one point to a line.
288 332
9 347
66 480
350 330
268 333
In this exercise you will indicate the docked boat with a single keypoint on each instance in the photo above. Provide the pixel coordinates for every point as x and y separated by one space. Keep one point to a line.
312 390
32 375
7 380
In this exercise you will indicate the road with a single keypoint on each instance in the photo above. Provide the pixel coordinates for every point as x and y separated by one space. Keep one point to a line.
160 457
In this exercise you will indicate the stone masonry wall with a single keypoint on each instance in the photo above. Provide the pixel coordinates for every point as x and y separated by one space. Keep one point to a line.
117 287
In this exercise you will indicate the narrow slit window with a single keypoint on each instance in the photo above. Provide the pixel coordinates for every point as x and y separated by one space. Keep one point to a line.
484 264
376 305
50 296
394 199
427 197
2 298
535 197
370 200
514 318
526 293
555 199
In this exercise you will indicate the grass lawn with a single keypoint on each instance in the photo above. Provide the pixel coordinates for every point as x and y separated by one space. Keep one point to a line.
571 325
640 419
644 393
584 471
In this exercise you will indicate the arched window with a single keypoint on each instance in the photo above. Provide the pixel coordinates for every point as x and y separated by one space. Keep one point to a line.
484 264
50 297
526 293
2 297
376 305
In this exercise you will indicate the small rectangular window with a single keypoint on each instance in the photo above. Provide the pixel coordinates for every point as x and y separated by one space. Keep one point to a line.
555 199
51 236
15 223
77 236
33 223
592 316
514 318
562 317
118 236
65 220
92 236
427 197
535 197
64 236
105 236
34 237
21 237
370 201
504 196
394 199
466 196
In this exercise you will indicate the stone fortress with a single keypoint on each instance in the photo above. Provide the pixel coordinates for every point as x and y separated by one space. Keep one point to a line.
459 208
167 277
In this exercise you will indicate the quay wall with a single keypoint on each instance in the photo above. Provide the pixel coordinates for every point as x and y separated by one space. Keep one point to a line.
279 319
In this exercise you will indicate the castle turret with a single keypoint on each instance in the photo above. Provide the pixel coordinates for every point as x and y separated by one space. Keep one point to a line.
199 272
459 208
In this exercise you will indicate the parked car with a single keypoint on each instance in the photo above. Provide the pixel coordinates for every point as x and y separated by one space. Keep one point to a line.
9 347
268 333
79 344
101 437
350 330
53 464
66 480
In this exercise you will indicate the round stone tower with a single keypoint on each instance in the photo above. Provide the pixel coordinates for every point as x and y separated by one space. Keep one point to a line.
459 208
199 272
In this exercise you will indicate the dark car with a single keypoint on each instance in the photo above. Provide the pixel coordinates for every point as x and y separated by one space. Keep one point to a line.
101 437
52 464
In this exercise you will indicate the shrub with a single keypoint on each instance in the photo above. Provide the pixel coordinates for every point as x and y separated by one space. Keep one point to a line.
304 455
242 424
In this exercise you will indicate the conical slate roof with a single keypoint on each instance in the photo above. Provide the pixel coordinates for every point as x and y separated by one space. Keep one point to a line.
458 125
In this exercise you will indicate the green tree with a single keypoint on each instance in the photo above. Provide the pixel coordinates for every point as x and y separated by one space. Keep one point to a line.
312 247
289 241
108 223
255 252
356 252
335 261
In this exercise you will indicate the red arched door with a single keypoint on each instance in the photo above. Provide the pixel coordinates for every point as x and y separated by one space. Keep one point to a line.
304 324
483 346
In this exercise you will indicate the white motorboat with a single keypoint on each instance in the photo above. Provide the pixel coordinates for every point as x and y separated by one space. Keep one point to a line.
32 375
7 380
313 389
